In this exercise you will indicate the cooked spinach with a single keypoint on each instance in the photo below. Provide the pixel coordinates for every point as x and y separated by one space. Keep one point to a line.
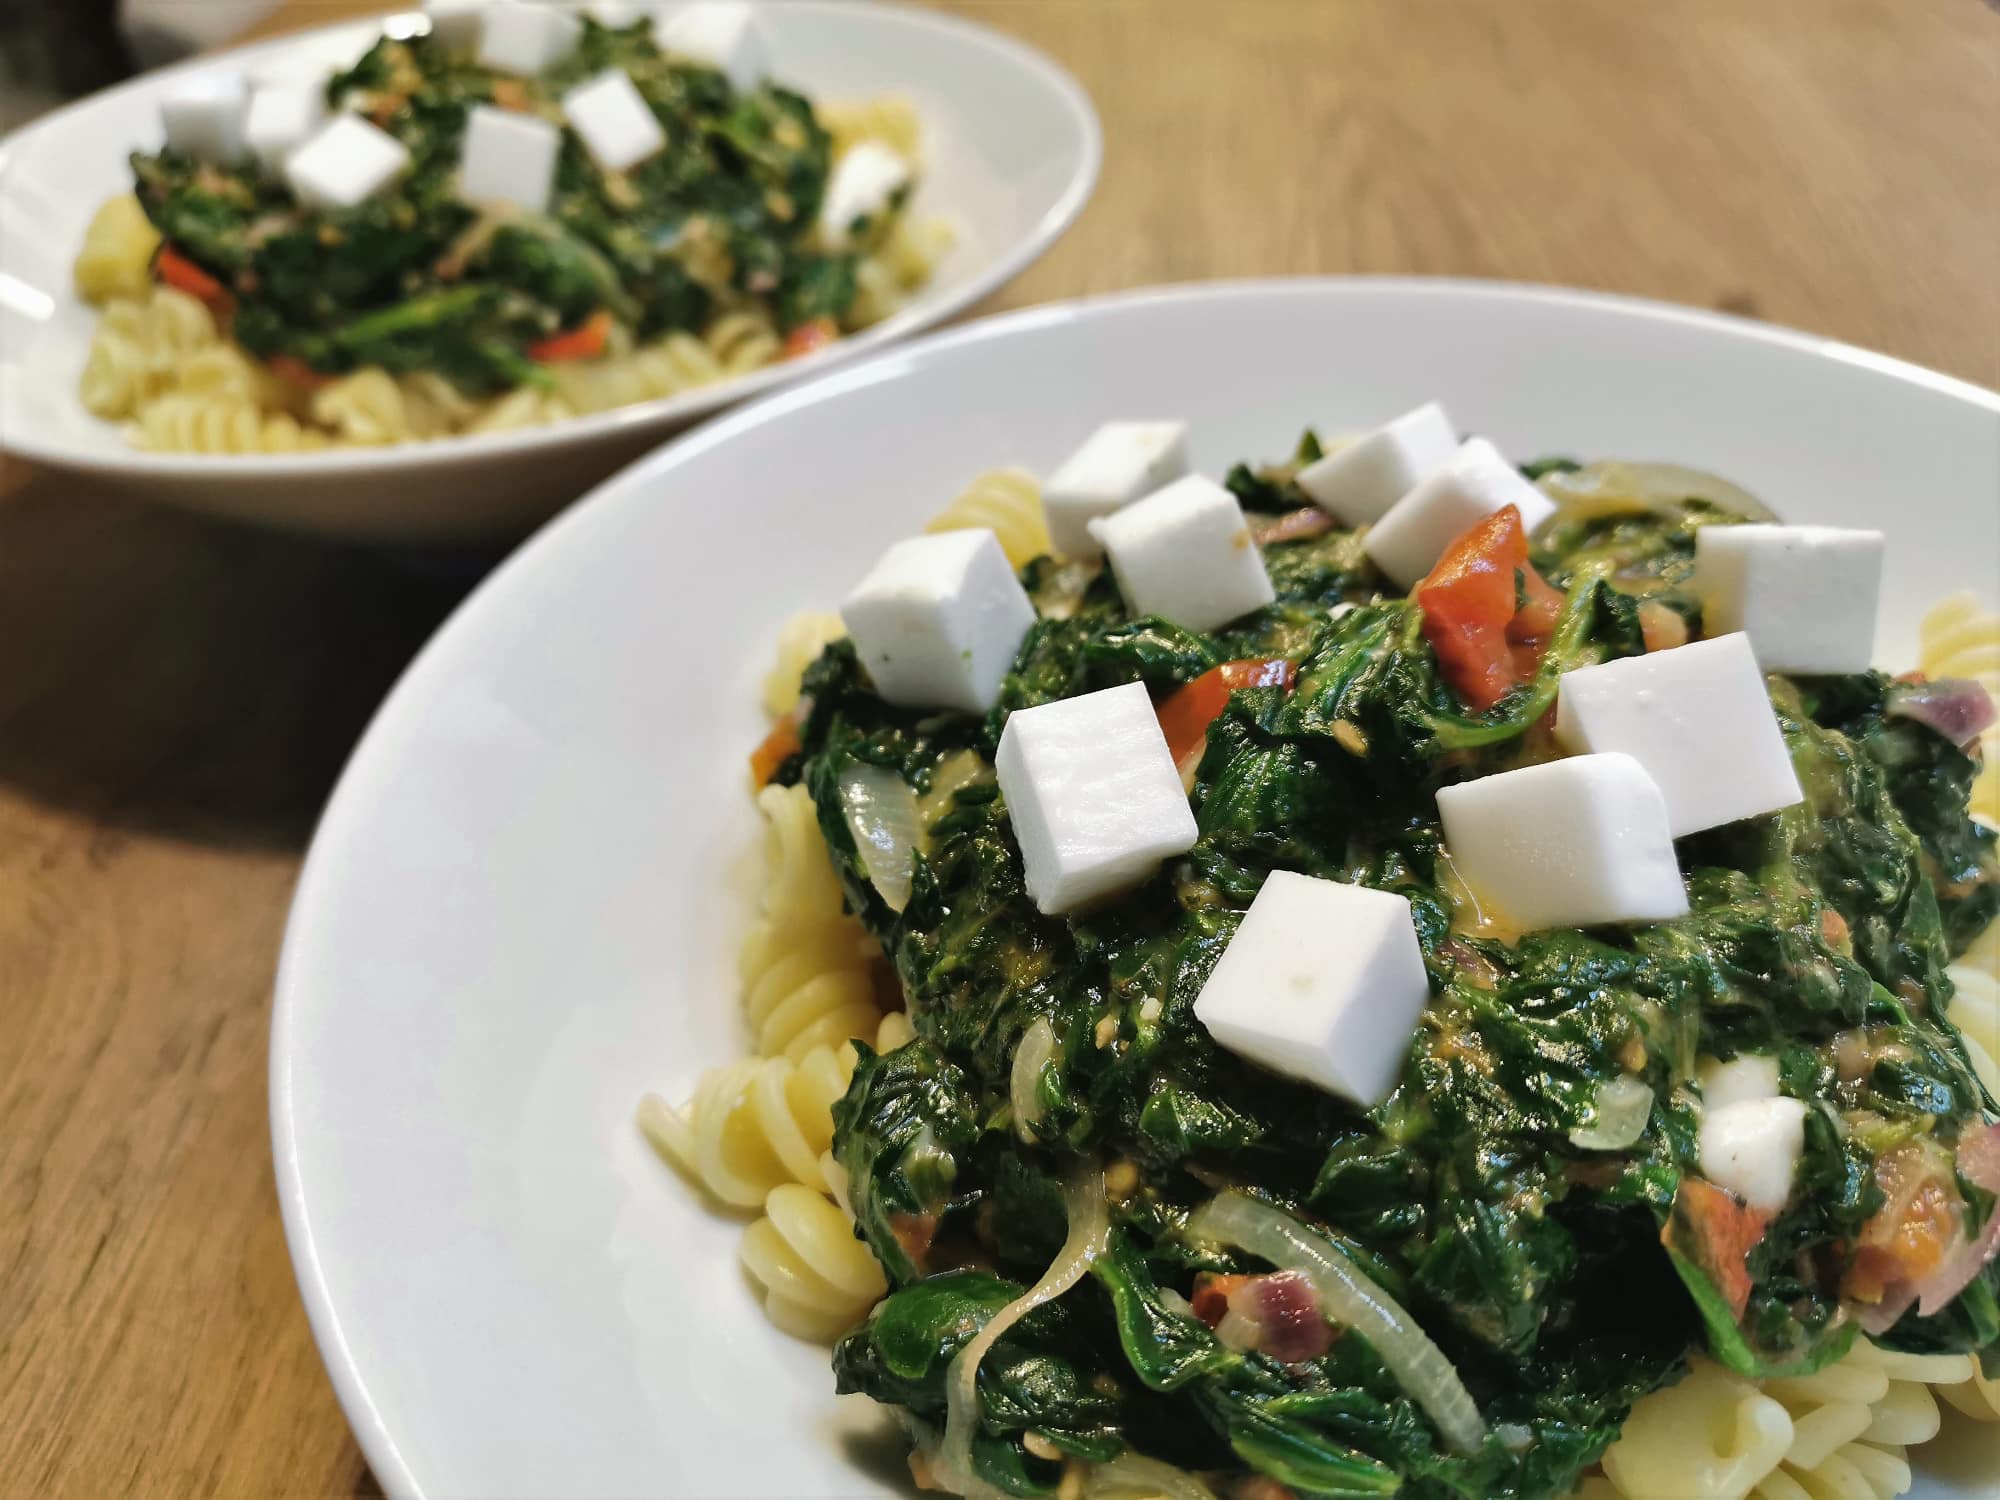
1537 1265
414 279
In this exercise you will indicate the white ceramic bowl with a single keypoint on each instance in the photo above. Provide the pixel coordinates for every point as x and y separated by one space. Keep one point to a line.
521 906
1012 149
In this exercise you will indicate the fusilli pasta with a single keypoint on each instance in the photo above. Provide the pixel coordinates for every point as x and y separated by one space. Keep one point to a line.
807 966
182 423
138 349
1007 502
888 120
819 1280
117 255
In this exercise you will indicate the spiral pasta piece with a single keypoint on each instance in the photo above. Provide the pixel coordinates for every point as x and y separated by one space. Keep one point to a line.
800 642
1711 1436
197 424
1007 502
1961 638
886 119
903 257
117 255
138 349
742 341
818 1279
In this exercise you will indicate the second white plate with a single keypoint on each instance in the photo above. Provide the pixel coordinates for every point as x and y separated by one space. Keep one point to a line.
1012 149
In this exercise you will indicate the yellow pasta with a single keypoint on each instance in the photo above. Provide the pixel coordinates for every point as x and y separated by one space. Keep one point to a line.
117 255
139 348
799 645
1711 1436
180 423
818 1279
904 257
1960 638
1008 502
888 120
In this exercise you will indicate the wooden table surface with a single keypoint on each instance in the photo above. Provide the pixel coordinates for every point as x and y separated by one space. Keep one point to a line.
176 695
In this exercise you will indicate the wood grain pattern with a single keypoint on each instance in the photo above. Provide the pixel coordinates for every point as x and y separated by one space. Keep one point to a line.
176 695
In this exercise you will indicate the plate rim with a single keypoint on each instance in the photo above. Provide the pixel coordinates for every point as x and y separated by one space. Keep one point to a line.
355 784
138 465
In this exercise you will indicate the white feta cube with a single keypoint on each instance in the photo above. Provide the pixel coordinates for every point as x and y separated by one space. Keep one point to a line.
517 37
863 182
1185 553
1412 535
456 24
1322 982
347 161
1805 595
1573 843
282 117
508 157
1750 1075
1359 482
722 36
205 115
938 620
1116 465
1697 718
1752 1147
617 125
1092 794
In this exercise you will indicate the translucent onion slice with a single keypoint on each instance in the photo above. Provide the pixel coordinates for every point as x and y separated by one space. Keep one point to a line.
1611 487
1038 1046
881 813
1622 1107
1089 1234
1350 1298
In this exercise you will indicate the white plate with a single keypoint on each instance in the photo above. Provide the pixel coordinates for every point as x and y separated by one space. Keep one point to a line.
1012 150
520 909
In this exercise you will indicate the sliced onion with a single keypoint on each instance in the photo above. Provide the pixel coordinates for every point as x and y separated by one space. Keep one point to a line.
1089 1235
1611 487
881 813
1349 1297
1038 1046
1956 707
1131 1476
1978 1163
1619 1115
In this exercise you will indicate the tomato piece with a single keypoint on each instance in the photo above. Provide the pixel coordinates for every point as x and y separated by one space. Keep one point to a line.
183 275
1716 1230
295 371
1486 612
914 1233
1211 1295
814 333
779 746
585 341
1186 713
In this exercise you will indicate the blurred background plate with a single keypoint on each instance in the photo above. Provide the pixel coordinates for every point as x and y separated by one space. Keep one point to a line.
1012 149
520 910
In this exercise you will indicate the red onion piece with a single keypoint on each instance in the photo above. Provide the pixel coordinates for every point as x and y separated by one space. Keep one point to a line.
1958 709
1286 1310
1292 526
1978 1162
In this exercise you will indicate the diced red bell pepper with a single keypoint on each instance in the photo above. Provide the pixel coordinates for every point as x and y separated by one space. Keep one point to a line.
1186 713
1486 612
779 746
585 341
1716 1231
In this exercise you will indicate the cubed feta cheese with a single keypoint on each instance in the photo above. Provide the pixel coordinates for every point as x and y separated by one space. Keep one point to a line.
205 115
1359 482
347 161
1116 465
1750 1075
938 620
1697 718
1322 982
1805 595
518 37
282 118
1752 1147
456 24
1572 843
508 157
724 36
1093 795
1412 536
1185 553
863 183
617 125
